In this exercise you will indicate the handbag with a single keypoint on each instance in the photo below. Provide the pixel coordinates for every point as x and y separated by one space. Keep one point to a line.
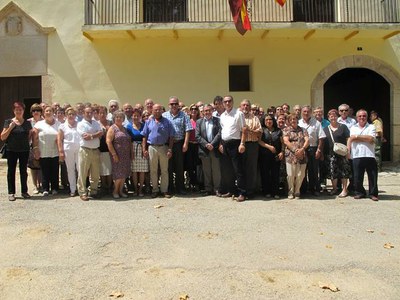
3 151
338 148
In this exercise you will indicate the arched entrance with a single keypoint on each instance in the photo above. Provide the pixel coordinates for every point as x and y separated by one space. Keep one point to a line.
381 68
361 88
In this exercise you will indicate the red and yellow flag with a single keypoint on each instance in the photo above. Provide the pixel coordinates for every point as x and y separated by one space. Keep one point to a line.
240 15
281 2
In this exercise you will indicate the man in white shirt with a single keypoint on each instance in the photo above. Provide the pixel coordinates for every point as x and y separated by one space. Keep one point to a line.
89 155
361 146
233 135
314 152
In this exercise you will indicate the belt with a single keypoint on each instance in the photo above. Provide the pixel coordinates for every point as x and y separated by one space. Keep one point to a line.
157 145
230 141
86 148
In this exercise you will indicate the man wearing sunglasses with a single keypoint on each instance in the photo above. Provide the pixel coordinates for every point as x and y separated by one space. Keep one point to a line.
344 116
182 126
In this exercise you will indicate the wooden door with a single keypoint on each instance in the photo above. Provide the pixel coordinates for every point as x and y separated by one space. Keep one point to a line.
27 90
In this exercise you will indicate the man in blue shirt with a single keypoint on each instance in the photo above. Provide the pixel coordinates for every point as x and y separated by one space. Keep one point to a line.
182 126
158 140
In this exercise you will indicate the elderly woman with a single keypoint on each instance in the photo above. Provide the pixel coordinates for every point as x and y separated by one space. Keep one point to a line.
338 166
105 159
270 156
296 142
68 145
120 146
45 145
34 164
140 164
17 134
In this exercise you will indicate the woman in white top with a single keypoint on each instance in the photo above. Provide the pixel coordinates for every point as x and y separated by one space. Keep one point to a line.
46 149
68 145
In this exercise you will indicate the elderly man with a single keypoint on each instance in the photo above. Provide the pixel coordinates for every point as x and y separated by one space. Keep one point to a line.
208 135
128 111
158 139
233 134
361 146
182 126
250 156
344 112
344 116
314 151
297 111
113 105
89 154
148 104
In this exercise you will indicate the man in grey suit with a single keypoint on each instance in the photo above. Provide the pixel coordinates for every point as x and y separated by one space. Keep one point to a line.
208 135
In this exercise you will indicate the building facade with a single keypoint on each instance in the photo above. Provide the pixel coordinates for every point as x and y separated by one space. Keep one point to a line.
318 52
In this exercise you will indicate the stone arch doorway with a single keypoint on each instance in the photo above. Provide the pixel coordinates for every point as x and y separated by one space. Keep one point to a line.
382 69
360 88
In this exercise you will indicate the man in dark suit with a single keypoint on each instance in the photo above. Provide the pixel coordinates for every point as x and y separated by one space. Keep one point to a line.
208 135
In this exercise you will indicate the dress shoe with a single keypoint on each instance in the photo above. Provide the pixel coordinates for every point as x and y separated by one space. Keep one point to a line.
226 195
207 193
26 196
11 197
358 197
166 195
84 198
374 198
218 194
154 195
241 198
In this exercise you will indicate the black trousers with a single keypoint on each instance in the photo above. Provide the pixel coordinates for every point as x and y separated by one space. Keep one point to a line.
175 166
50 174
233 160
270 171
311 181
250 161
191 162
12 159
360 165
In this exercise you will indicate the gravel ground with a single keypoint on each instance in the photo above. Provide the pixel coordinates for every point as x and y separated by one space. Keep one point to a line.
201 248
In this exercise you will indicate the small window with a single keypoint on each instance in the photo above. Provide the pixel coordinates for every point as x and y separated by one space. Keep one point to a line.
239 78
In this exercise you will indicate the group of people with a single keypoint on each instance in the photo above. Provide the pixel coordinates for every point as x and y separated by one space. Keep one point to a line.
216 149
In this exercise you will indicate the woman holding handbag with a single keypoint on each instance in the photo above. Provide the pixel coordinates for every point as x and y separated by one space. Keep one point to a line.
17 135
338 165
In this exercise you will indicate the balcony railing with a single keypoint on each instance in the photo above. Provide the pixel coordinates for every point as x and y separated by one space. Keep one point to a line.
108 12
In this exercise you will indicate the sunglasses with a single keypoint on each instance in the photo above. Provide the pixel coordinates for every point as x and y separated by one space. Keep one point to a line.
174 104
227 101
37 110
342 110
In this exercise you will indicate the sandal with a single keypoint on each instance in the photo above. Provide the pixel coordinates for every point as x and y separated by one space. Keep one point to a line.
342 195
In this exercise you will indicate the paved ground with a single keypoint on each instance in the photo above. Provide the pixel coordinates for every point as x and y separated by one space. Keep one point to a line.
201 248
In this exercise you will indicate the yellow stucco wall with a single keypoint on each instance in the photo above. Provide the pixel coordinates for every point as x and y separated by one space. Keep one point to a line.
193 66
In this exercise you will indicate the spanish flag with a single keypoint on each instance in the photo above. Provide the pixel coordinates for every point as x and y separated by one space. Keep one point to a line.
240 15
281 2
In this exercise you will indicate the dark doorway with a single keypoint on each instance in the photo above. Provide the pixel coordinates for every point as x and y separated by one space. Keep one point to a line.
23 89
361 88
313 11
